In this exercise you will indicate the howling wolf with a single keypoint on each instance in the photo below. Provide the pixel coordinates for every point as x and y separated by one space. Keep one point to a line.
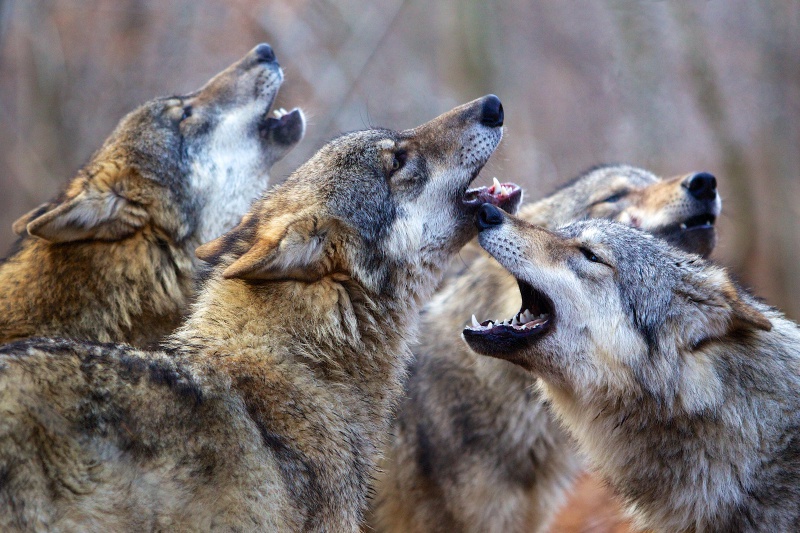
111 259
474 447
267 408
682 389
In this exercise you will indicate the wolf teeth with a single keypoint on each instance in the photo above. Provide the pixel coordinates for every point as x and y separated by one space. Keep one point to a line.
499 189
475 323
279 112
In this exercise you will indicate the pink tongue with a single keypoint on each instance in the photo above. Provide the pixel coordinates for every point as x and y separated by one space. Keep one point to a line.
536 322
490 194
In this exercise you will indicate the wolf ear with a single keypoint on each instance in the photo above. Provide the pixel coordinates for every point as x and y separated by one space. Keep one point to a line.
93 214
290 249
744 314
721 306
20 226
211 251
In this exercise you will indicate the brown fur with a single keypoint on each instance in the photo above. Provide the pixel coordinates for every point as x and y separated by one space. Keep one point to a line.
266 410
111 259
591 508
131 290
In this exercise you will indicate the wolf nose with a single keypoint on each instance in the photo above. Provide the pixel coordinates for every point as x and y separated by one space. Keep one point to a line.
702 186
492 112
264 53
488 216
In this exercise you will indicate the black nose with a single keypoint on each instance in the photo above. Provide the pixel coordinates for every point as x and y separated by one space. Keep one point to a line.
265 53
492 112
702 186
488 216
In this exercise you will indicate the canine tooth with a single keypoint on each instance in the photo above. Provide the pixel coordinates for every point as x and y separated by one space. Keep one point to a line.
475 323
515 320
496 184
683 226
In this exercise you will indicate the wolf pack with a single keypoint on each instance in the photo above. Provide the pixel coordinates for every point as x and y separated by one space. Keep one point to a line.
376 345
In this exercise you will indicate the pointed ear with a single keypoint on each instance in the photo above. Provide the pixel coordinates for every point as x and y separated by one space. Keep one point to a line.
290 248
91 215
745 315
211 251
20 226
718 306
94 211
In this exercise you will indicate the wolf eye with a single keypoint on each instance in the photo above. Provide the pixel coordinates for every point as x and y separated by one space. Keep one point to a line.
590 255
187 112
398 160
614 197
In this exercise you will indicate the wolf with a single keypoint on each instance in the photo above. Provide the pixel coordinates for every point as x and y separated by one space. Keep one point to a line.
474 447
267 408
681 388
111 258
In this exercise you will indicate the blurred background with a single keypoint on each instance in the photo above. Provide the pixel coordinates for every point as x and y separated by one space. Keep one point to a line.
672 87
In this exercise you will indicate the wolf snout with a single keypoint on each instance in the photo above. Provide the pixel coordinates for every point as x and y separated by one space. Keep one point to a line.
264 53
702 186
488 216
492 112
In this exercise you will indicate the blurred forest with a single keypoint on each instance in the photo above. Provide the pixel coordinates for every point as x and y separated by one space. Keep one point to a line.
670 86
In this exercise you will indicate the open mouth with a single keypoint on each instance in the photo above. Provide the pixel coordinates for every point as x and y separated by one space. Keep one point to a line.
285 127
535 319
704 221
695 234
506 196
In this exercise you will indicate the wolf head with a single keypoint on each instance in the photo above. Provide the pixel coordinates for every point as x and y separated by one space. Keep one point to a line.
606 306
187 166
681 210
370 206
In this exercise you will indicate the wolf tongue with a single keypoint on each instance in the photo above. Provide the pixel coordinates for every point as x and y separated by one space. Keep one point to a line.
535 323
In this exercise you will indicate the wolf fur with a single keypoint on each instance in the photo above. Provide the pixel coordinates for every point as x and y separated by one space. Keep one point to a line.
682 389
266 409
474 446
111 259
